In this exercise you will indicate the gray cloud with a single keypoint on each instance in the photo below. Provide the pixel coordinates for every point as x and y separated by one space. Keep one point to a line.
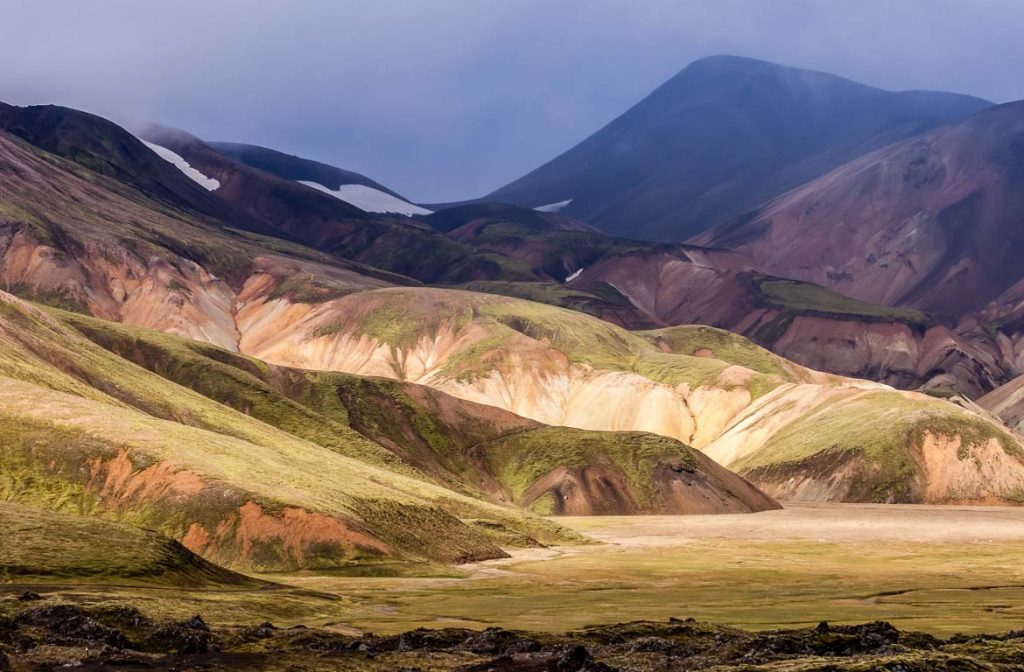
446 99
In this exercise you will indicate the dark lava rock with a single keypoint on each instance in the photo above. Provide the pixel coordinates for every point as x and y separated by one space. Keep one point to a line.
652 645
46 616
190 636
125 617
322 642
573 660
29 596
262 631
495 641
69 624
877 637
5 662
422 638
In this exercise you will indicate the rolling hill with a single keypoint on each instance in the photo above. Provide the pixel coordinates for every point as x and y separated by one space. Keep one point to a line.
254 466
736 402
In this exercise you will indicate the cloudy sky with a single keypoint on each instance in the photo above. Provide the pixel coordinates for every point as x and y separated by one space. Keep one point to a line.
448 99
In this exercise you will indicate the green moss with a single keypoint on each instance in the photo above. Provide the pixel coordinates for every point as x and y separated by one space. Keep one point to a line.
796 297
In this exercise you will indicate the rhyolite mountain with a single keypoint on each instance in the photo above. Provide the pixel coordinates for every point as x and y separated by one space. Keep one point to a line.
555 258
78 239
932 223
719 138
113 421
935 222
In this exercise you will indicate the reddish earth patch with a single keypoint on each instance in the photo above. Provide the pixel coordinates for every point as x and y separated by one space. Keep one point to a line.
118 482
296 538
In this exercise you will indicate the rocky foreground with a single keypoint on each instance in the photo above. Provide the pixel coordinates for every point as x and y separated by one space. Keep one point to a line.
36 634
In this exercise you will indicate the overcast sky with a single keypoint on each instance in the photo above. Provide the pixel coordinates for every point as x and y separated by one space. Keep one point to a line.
449 99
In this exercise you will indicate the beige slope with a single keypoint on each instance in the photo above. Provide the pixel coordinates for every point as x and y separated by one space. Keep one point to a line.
561 367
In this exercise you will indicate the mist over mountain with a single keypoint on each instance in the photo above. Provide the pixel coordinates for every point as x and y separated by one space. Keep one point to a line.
720 137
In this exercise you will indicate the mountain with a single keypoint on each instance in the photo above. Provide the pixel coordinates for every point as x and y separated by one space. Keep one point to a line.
88 242
106 149
718 139
353 188
307 214
641 285
932 222
254 466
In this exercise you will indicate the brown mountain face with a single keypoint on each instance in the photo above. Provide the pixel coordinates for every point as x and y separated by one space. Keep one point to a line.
642 285
933 223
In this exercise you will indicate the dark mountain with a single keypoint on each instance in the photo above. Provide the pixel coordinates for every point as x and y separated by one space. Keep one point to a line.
394 243
107 149
449 219
295 167
721 137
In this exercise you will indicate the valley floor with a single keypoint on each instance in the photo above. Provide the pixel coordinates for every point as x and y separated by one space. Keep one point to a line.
941 570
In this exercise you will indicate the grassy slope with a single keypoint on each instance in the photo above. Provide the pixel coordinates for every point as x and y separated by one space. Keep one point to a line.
880 430
401 316
41 544
793 297
57 425
597 301
521 459
474 449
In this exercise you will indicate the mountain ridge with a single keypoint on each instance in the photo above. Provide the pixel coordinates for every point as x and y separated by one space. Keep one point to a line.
631 171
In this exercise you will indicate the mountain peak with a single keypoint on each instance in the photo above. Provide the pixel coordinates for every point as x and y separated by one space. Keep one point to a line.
723 135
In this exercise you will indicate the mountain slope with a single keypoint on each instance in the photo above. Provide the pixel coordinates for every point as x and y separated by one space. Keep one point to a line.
424 433
353 188
730 400
719 138
250 477
297 211
80 240
932 222
88 432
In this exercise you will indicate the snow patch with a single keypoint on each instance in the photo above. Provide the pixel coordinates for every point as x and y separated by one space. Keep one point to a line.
370 199
574 275
184 166
553 207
